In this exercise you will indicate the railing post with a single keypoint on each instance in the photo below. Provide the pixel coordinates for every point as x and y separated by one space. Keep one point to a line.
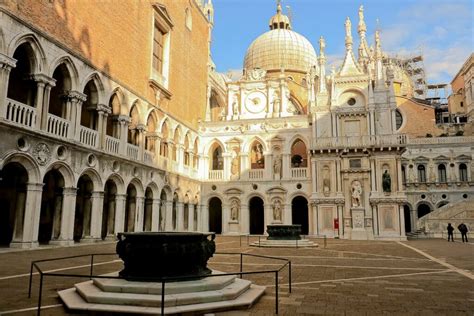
276 292
325 241
241 265
289 275
40 293
162 297
31 279
92 266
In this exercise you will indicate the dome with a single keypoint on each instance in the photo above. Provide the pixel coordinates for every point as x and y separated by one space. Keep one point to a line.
281 48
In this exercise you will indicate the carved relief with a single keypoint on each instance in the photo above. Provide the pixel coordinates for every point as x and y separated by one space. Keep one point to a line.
358 220
326 180
235 164
42 153
255 74
277 166
277 210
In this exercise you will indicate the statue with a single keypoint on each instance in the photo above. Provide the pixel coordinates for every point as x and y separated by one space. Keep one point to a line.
386 182
276 103
361 13
322 45
348 27
356 193
277 210
234 210
234 167
235 106
277 166
326 181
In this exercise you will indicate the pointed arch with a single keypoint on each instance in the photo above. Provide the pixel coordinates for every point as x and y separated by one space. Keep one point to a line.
72 70
248 145
30 38
95 77
95 177
121 102
66 172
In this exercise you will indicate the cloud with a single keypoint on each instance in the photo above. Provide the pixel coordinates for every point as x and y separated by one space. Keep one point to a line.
234 74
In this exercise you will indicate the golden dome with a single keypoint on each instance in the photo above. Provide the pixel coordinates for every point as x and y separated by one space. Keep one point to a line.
281 48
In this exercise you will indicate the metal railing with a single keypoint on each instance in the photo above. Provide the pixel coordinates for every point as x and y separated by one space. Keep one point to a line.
241 273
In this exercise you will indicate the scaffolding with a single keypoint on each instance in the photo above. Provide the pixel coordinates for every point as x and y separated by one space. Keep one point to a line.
414 68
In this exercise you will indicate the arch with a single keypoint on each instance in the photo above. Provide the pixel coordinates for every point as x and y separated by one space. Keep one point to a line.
248 145
442 173
211 144
121 108
304 139
154 188
138 186
216 157
94 176
256 215
177 135
83 209
13 194
187 150
421 170
65 171
299 154
168 191
30 165
89 115
423 208
109 209
130 208
21 85
299 213
64 75
70 66
148 209
215 215
51 206
257 158
118 181
32 40
95 77
407 216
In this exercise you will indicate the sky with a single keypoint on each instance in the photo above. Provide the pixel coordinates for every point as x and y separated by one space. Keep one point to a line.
441 30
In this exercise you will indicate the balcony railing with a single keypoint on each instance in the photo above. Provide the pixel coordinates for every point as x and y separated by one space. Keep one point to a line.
57 126
21 113
112 144
364 141
441 140
256 174
132 151
88 136
299 173
216 174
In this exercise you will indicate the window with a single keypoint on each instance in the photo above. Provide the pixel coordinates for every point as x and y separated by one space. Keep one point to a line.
158 38
398 119
404 175
421 173
463 172
461 104
442 173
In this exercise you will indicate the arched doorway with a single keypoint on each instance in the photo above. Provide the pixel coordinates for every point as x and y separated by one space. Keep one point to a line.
299 213
13 180
108 215
256 216
130 208
82 215
407 214
51 207
215 215
423 209
147 210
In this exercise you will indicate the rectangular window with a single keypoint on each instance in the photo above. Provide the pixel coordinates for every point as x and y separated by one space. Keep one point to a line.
158 43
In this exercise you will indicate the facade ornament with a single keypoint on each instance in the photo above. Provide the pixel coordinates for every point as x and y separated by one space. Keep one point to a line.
386 182
356 193
42 153
277 166
326 181
234 167
276 103
348 26
277 210
255 74
234 210
235 105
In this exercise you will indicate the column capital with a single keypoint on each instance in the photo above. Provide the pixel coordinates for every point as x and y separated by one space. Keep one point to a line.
141 127
43 79
97 194
70 191
76 96
7 62
103 108
34 186
122 119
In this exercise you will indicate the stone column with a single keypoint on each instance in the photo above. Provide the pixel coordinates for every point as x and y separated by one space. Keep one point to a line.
313 219
20 203
314 176
399 175
42 81
31 222
180 157
45 107
338 176
225 218
285 166
103 111
180 216
268 215
120 200
110 234
204 218
139 214
6 64
67 217
141 129
123 121
375 220
191 224
97 213
155 215
401 214
169 216
373 180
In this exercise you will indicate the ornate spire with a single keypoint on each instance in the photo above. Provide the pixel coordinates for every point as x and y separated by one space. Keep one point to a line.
349 66
362 27
279 20
363 45
378 59
348 26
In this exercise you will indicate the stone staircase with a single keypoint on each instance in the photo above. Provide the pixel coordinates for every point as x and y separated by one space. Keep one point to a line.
198 296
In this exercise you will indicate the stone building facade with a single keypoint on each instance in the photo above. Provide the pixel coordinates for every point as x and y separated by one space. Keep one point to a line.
132 129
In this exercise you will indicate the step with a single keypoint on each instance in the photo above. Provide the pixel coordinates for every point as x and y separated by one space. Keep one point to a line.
74 301
124 286
93 294
284 243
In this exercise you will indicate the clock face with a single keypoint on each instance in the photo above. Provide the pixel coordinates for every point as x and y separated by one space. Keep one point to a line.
256 102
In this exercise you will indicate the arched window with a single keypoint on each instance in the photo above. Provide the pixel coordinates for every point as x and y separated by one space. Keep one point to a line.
398 119
442 173
421 173
150 133
186 150
132 129
299 158
195 150
113 126
217 159
176 140
463 172
89 107
21 86
57 104
189 19
257 160
164 140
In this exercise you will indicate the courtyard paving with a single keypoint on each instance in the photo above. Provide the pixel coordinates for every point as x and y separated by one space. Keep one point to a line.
420 277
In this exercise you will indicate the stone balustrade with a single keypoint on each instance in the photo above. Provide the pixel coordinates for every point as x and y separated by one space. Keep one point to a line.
21 114
132 151
112 144
57 126
216 174
88 136
256 174
299 173
364 141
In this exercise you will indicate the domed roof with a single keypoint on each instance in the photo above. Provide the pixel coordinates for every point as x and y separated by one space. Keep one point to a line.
281 48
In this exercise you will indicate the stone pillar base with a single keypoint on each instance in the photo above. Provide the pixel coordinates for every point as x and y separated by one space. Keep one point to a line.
89 240
24 245
62 242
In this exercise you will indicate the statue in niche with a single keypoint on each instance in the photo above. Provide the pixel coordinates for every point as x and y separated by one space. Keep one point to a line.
257 153
277 166
276 103
326 181
235 105
234 167
386 182
356 193
234 210
277 210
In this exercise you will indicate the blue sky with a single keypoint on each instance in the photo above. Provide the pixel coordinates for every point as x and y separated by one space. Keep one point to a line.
442 30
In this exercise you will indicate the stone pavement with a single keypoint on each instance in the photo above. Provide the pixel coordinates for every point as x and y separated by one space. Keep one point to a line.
421 277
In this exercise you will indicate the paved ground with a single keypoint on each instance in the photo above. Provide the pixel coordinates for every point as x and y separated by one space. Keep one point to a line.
422 277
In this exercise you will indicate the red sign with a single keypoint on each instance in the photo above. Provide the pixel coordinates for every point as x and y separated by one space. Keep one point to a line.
336 223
